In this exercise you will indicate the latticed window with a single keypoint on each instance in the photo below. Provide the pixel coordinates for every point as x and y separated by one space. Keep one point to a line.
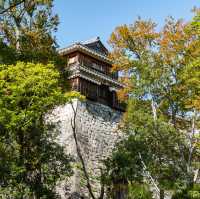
103 92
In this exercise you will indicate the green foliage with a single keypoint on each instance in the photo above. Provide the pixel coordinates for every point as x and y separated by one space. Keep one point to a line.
139 191
161 74
125 164
7 54
27 35
186 193
29 89
32 161
28 27
160 143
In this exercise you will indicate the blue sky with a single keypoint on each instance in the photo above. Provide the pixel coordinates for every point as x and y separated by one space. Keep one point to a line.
84 19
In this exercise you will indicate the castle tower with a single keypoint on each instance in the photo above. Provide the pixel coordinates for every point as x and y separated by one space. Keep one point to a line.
90 72
97 118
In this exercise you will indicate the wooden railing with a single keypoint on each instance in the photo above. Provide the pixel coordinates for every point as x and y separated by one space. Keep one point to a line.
100 68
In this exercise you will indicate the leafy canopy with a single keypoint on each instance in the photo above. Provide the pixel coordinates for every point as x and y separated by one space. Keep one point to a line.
28 27
33 163
161 74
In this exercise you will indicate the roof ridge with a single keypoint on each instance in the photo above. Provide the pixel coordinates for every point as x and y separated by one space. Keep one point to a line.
92 40
63 50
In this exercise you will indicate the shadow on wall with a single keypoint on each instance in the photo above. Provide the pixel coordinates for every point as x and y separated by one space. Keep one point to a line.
104 112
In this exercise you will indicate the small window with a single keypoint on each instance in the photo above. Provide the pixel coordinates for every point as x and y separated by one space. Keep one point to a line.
72 60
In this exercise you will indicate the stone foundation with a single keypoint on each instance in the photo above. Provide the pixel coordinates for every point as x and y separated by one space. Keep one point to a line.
97 133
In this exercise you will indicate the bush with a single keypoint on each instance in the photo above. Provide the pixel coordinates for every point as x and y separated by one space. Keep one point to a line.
193 193
139 191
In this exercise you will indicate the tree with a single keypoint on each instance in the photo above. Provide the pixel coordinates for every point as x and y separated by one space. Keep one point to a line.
31 161
27 29
4 9
124 166
152 65
27 26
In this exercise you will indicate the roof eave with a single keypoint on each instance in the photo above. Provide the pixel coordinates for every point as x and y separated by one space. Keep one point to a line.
81 48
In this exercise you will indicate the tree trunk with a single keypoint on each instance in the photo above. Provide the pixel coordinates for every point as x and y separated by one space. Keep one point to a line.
162 194
120 190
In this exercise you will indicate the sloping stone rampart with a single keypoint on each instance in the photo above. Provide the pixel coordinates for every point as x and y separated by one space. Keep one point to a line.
97 133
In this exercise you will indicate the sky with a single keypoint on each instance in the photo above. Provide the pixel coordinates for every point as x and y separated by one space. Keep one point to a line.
85 19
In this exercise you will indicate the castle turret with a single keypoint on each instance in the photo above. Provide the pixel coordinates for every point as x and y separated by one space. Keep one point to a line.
90 72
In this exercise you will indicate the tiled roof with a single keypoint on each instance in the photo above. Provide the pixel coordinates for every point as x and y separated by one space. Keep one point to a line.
92 40
96 45
93 47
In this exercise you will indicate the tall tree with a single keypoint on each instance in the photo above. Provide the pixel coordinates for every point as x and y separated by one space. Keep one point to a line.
152 65
32 163
28 27
27 34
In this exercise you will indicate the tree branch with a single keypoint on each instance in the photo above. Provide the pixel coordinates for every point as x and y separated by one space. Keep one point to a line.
12 6
149 175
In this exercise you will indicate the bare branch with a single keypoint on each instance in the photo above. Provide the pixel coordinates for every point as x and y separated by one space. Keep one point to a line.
196 175
153 182
192 139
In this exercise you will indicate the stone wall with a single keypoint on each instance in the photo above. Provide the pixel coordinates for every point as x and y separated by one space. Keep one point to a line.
97 133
